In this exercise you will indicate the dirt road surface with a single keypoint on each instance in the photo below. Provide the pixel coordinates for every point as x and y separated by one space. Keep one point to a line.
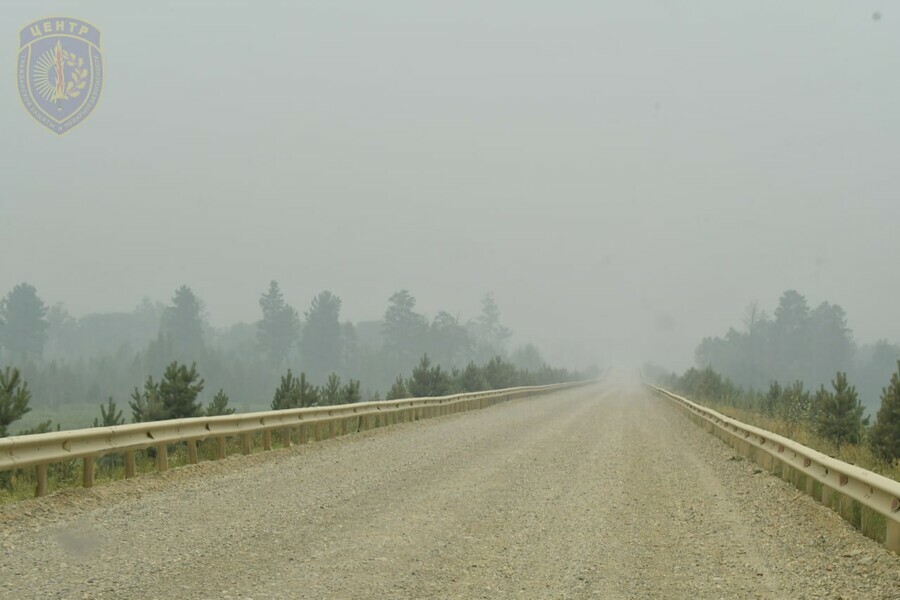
600 492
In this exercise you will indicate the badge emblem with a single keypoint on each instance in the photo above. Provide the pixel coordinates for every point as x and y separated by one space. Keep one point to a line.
60 71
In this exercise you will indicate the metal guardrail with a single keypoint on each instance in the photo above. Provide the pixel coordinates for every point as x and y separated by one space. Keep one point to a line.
41 450
780 455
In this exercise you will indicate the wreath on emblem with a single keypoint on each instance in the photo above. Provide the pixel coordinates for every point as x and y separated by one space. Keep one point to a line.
79 74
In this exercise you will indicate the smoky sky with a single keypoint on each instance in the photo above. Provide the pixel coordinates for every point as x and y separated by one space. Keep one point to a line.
625 176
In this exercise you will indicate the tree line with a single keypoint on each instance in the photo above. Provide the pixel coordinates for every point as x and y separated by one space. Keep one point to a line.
834 412
798 343
84 360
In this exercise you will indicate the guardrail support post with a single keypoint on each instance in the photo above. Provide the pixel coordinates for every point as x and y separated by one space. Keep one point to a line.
267 439
40 472
317 431
247 443
129 464
286 436
192 452
162 458
220 447
892 536
87 473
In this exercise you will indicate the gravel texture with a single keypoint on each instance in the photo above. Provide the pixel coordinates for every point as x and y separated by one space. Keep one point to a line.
601 492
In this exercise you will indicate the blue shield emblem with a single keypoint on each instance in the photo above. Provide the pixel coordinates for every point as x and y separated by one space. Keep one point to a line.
60 71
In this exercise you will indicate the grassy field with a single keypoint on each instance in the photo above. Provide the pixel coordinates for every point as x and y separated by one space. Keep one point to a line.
70 416
854 454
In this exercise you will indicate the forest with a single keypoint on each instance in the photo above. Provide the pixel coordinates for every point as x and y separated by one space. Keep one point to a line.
799 343
165 360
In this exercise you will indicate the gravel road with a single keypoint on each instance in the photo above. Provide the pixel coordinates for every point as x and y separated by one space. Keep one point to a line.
601 492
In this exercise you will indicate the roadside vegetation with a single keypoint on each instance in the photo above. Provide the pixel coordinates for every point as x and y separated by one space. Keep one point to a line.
830 419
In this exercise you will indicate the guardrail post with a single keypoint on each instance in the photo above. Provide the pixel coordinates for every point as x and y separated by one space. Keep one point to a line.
247 443
892 536
162 458
220 447
286 436
192 452
130 466
87 473
317 431
40 472
267 439
303 434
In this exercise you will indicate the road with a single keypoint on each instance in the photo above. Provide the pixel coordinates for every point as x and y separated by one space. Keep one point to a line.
600 492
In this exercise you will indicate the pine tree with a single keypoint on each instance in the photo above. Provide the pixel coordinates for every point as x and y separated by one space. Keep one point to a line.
840 413
179 389
183 325
772 398
331 392
398 391
286 395
472 379
147 406
23 322
500 374
350 392
885 435
14 397
428 380
218 406
279 329
110 416
405 330
308 394
295 393
320 345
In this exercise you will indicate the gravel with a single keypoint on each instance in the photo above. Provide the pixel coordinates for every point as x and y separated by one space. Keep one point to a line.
602 492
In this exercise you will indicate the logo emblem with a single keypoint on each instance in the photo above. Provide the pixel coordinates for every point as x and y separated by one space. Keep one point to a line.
60 71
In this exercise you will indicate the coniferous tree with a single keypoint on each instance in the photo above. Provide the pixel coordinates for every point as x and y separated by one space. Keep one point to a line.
110 415
320 345
405 330
350 392
295 393
491 334
179 389
183 325
398 391
331 392
472 379
279 329
885 435
840 413
772 398
147 406
500 374
218 406
286 395
428 380
23 322
43 427
14 397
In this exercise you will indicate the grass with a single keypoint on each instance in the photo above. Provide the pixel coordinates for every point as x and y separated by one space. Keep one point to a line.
855 454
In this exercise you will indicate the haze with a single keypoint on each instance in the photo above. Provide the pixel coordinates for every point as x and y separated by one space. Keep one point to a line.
624 177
